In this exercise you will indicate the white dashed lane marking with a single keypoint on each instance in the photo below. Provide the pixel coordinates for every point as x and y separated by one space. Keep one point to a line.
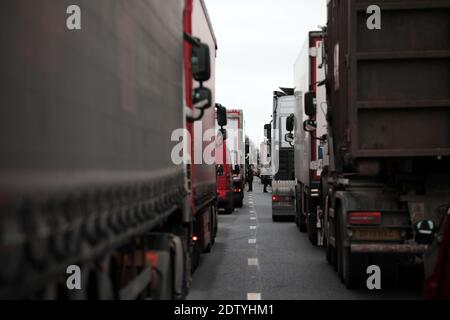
251 241
253 296
252 261
252 227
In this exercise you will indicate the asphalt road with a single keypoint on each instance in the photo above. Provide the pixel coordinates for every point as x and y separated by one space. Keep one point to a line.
255 258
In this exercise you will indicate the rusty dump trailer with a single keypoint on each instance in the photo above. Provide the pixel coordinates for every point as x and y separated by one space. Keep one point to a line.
86 175
388 116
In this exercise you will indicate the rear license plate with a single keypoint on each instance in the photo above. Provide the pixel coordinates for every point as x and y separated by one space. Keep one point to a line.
382 235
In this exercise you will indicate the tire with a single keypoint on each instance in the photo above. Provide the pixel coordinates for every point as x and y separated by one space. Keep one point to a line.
297 221
302 226
310 229
339 246
195 259
328 253
353 269
213 225
302 223
230 208
167 292
331 256
211 233
350 266
276 218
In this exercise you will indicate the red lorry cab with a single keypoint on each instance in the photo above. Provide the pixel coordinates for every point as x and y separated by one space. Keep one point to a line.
224 173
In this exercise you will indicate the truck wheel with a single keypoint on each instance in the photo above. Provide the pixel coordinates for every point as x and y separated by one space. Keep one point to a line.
208 247
213 224
195 258
302 223
339 246
331 256
229 209
166 289
310 229
353 265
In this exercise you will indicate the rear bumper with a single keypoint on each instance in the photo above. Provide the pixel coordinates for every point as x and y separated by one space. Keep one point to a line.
283 210
389 248
225 202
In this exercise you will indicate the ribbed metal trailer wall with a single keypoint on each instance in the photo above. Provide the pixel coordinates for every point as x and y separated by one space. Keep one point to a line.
389 89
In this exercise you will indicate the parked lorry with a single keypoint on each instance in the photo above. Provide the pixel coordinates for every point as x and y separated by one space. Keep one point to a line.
236 145
224 168
311 150
89 179
388 134
265 165
282 156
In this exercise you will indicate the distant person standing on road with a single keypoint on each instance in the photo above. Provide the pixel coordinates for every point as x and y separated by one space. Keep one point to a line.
265 183
250 178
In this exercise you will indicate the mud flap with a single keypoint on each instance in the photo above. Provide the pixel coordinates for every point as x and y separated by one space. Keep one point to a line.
160 259
179 267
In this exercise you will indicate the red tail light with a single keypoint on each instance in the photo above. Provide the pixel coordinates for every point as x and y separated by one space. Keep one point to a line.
364 218
282 198
237 190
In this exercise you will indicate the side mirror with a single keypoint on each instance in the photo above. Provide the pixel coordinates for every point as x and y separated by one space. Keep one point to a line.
310 104
290 123
310 125
221 115
425 232
202 98
201 62
268 131
289 137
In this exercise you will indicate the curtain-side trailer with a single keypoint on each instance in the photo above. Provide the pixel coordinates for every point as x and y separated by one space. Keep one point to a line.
87 174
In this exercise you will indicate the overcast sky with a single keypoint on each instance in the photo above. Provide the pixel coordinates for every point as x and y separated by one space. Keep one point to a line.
258 42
